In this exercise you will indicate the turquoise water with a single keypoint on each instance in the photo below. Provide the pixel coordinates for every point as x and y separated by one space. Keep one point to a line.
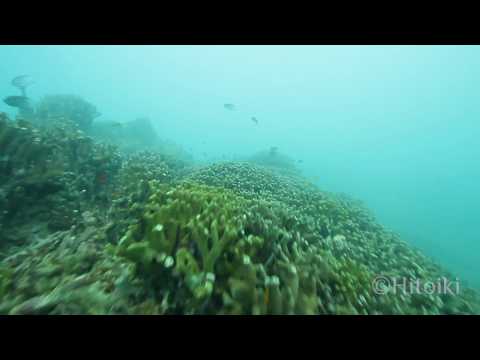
395 126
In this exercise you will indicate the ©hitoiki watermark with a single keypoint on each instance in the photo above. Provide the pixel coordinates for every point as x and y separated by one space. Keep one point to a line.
403 285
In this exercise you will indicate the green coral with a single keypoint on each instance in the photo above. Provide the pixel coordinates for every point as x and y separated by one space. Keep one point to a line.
213 255
199 214
334 241
231 238
186 229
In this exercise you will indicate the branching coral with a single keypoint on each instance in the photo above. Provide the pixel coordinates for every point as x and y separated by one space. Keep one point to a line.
332 240
232 238
214 252
191 224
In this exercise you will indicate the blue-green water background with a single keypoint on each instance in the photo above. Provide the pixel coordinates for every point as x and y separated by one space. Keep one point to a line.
395 126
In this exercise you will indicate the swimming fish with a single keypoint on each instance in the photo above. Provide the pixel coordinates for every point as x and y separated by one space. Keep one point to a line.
22 82
21 102
254 119
230 107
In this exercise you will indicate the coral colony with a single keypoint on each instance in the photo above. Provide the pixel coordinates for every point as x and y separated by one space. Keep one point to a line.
107 218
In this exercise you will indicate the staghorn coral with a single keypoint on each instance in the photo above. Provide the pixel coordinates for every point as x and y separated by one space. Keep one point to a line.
232 238
183 250
198 249
352 246
192 224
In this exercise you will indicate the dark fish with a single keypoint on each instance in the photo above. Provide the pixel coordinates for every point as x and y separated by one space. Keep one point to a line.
230 107
300 161
21 102
117 124
273 150
254 119
22 82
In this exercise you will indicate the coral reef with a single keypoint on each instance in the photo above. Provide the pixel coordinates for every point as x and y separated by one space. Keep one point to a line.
140 136
189 227
257 182
86 228
204 250
71 107
40 182
344 234
65 273
129 136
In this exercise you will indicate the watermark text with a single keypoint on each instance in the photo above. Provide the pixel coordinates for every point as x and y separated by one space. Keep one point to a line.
409 286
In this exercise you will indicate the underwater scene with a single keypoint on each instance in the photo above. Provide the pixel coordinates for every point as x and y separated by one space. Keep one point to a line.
239 180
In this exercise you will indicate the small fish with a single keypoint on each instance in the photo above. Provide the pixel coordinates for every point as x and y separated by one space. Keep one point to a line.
22 82
21 102
273 150
230 107
254 119
117 124
300 161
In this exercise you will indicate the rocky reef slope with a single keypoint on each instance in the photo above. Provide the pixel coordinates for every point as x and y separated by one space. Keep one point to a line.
86 229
